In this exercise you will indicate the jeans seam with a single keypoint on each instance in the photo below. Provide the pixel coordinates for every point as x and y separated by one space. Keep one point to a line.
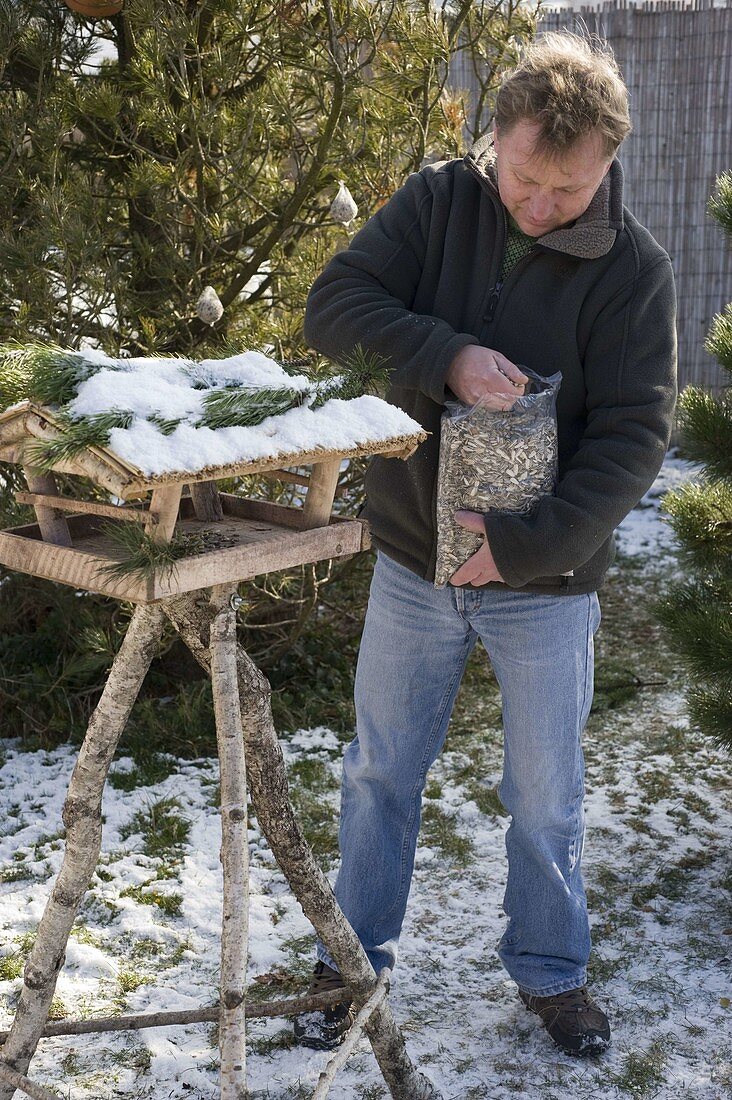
422 771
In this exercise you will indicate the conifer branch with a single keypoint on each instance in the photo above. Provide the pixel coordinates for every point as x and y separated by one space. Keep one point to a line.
244 407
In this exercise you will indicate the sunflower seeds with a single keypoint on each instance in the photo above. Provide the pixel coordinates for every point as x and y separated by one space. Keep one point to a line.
491 461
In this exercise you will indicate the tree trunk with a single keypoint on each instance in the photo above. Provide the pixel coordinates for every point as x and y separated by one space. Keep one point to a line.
268 782
82 815
234 846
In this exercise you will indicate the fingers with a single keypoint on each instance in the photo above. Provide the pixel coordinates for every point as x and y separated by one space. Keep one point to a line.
509 369
471 521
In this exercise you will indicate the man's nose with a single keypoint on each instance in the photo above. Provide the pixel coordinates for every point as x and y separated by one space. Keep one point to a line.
540 207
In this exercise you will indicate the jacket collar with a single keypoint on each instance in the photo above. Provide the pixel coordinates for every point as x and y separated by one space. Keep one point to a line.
593 233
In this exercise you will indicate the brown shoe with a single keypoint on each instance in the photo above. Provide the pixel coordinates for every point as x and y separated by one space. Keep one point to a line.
325 1028
575 1022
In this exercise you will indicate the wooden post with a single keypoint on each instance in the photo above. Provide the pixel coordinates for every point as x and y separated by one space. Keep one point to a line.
82 816
270 798
163 512
206 501
51 521
320 494
234 845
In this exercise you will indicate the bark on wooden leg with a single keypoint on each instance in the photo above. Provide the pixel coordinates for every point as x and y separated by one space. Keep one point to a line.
206 501
270 799
234 846
82 814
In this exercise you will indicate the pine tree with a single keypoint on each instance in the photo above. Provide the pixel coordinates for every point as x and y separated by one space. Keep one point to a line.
698 611
167 186
201 151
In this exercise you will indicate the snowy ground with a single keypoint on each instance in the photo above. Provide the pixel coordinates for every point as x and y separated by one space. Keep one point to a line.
659 811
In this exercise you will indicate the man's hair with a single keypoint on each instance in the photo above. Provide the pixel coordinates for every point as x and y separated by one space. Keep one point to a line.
572 87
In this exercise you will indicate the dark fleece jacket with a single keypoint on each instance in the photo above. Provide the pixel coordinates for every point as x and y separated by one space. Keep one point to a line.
594 300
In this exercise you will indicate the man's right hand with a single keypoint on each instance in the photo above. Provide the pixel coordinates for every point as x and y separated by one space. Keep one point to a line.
481 374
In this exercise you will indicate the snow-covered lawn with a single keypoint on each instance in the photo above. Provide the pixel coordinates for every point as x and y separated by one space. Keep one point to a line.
659 812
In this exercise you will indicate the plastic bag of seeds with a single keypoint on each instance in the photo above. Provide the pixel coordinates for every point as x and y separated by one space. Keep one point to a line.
493 460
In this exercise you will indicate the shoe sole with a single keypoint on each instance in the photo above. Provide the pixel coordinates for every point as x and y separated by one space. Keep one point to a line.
321 1044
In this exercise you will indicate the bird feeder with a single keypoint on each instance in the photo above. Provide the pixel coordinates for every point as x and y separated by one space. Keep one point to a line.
237 537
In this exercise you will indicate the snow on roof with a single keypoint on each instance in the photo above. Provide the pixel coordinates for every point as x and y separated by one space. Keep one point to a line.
336 425
172 389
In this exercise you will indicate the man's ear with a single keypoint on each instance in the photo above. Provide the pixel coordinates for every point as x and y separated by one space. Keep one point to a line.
495 134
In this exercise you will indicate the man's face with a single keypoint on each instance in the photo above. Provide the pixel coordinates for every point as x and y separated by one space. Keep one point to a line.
540 194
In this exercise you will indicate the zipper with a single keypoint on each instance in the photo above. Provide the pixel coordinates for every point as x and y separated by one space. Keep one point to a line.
495 293
493 301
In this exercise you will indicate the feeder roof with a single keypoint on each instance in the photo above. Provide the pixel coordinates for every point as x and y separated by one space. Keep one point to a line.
141 456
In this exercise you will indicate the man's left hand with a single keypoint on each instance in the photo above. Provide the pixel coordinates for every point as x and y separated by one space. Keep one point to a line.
480 568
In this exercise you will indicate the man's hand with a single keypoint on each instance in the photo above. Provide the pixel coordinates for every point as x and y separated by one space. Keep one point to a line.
480 374
480 567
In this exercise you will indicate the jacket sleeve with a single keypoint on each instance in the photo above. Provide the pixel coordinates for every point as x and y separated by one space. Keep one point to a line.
364 296
630 379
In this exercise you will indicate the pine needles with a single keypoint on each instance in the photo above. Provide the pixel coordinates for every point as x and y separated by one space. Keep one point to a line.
362 372
143 557
244 407
43 373
78 434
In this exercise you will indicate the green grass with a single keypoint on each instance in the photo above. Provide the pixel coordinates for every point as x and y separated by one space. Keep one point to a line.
642 1070
439 830
169 904
163 830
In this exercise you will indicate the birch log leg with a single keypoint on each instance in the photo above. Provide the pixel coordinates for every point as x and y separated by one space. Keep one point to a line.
82 815
234 845
270 799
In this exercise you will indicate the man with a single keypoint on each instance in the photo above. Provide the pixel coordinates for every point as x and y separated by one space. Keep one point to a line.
519 253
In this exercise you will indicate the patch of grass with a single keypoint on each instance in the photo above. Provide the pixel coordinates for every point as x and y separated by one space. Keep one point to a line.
169 904
439 830
311 782
19 873
72 1064
433 789
11 967
164 831
130 980
673 880
138 1058
601 969
164 955
615 685
477 706
655 785
178 724
642 1070
486 798
284 1039
57 1009
82 934
148 771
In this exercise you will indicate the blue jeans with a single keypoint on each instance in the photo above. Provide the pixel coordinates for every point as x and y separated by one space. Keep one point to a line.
416 642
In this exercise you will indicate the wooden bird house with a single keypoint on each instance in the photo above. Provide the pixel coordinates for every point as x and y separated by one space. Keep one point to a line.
231 536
